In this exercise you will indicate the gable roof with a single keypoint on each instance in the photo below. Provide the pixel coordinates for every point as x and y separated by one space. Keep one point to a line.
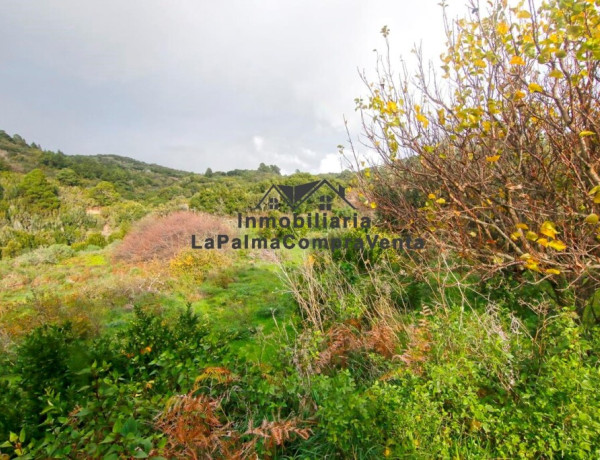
317 187
295 195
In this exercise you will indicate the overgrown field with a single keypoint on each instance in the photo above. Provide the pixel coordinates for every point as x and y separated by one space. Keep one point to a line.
118 340
327 355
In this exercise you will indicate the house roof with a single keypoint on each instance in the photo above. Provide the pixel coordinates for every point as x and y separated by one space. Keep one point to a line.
295 195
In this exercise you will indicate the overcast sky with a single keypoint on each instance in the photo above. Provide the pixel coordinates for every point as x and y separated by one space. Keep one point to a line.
193 84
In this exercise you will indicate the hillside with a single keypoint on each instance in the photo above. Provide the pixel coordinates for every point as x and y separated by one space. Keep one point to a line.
52 198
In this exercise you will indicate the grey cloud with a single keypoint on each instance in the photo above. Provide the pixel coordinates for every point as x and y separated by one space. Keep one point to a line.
192 84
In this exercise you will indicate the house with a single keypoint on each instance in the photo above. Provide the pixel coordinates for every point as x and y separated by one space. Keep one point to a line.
296 195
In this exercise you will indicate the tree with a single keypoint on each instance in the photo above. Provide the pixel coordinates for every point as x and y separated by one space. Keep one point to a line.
263 168
104 193
209 172
501 152
37 193
55 160
68 177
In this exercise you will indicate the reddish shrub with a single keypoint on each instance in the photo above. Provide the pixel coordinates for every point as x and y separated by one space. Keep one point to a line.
161 237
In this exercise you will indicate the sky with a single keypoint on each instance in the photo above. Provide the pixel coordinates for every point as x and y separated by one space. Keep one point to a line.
193 84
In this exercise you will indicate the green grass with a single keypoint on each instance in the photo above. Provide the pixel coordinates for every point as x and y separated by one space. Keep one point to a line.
246 302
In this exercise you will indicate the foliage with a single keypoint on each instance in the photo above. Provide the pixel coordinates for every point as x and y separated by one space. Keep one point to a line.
104 193
96 239
195 265
501 150
37 193
47 255
68 177
163 237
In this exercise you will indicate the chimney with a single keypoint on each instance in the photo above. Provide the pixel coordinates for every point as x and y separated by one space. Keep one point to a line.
341 191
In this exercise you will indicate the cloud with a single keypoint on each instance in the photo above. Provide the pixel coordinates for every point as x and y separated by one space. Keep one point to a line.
259 143
187 84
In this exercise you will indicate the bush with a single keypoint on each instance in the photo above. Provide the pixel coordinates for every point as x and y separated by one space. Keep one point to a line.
518 77
50 255
162 237
68 177
96 239
196 264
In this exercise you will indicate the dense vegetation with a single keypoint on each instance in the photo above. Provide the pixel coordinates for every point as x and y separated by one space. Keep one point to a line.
50 198
120 341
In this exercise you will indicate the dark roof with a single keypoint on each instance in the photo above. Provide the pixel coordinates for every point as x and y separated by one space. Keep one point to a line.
295 195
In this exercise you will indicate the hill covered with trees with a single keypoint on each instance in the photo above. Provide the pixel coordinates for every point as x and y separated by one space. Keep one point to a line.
52 198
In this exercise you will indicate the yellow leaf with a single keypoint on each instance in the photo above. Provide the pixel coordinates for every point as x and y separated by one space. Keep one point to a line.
525 256
597 198
552 271
480 63
595 190
424 121
373 205
542 241
502 28
532 265
523 14
558 245
556 74
535 88
554 38
442 116
392 107
473 234
531 236
515 236
586 133
548 229
592 219
522 226
517 60
431 196
492 159
519 95
440 201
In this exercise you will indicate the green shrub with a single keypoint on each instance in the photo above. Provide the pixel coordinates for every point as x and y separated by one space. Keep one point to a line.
37 193
48 255
96 239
